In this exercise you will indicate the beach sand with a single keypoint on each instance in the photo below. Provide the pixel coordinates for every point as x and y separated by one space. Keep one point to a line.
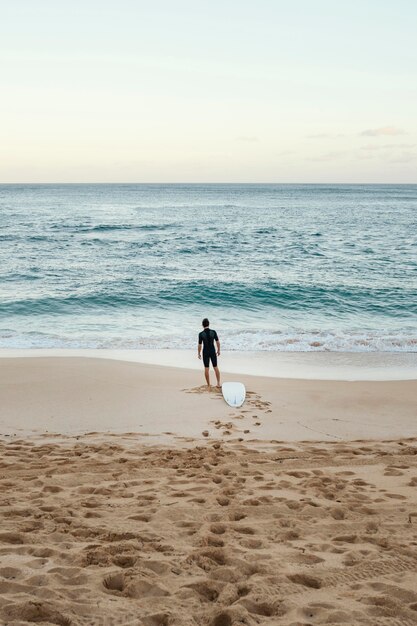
75 395
308 518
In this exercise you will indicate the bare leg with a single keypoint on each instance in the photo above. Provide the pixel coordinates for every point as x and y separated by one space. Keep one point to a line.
207 375
216 369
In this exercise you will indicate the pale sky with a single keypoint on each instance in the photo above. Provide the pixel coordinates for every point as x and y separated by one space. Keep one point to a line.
208 91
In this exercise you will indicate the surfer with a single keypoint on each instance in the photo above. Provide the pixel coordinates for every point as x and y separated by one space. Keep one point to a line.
206 340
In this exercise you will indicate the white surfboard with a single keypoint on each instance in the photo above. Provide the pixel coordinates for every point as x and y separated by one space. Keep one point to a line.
234 393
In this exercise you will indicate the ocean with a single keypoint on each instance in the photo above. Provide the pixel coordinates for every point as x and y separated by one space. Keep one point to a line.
274 267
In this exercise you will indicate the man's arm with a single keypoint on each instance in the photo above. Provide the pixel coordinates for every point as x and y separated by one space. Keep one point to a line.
218 346
200 345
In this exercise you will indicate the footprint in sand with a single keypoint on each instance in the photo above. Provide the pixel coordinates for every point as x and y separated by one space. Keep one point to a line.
245 530
211 540
218 529
157 619
207 590
306 580
11 573
264 608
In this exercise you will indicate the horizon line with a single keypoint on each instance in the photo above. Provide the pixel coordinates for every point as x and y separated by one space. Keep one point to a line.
200 183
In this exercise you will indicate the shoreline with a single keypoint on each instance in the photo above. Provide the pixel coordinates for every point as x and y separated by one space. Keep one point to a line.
348 366
78 395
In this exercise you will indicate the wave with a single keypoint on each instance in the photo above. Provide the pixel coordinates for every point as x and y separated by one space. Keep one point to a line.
333 301
98 228
296 340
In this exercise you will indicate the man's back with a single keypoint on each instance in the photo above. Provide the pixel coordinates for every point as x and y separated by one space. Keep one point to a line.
207 337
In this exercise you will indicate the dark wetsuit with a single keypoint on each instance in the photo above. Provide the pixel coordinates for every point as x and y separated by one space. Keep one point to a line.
207 337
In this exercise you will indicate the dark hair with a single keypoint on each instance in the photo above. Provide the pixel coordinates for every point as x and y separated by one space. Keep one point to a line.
206 323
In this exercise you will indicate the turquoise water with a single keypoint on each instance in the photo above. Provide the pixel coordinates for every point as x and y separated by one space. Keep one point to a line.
275 267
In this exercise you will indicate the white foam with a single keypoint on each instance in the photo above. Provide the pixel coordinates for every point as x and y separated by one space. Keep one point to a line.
295 340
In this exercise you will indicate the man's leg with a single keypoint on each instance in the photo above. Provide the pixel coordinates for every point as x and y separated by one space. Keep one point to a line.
216 369
207 375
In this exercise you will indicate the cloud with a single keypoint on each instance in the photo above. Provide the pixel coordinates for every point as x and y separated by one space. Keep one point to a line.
391 153
370 147
325 135
247 138
328 156
387 146
383 130
318 136
405 157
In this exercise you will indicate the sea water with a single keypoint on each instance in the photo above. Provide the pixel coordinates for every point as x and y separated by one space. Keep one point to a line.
274 267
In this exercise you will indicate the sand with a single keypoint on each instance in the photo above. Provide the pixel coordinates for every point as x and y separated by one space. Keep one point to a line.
74 395
366 366
209 525
114 532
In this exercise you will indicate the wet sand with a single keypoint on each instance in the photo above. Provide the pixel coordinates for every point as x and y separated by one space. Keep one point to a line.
74 395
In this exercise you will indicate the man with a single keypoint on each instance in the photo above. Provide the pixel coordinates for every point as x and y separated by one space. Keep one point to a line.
206 340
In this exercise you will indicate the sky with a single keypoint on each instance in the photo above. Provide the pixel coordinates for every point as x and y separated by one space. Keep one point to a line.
307 91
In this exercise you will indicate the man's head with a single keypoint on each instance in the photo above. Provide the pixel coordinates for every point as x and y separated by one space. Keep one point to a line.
206 323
